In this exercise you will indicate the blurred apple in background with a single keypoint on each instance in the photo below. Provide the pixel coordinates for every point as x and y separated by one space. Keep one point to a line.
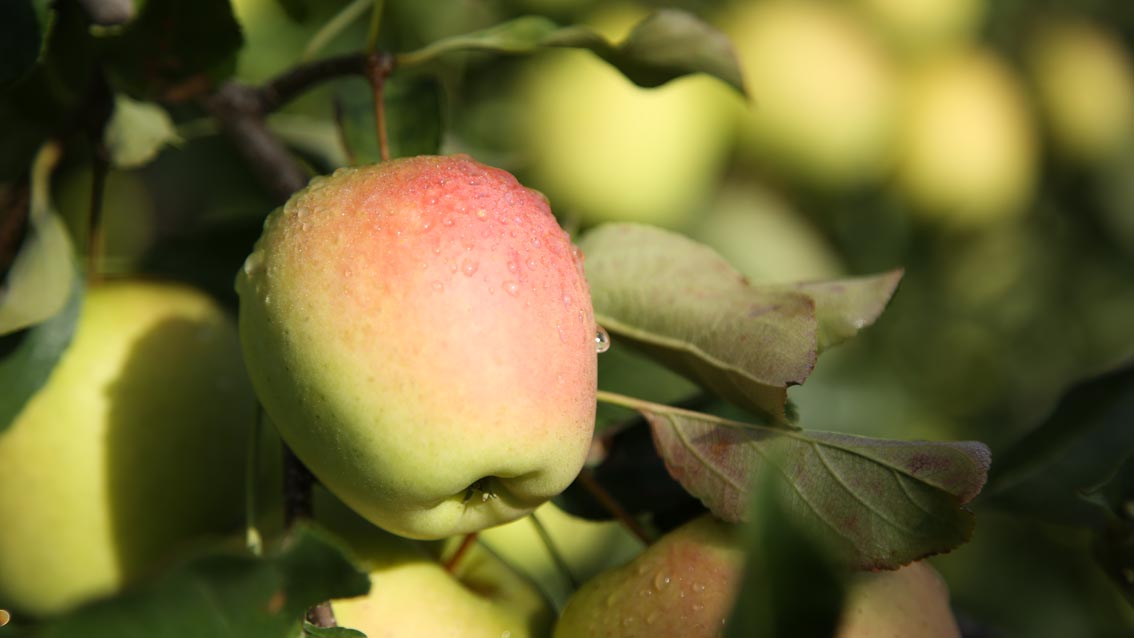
967 152
1084 81
824 91
128 212
133 449
919 26
604 149
764 237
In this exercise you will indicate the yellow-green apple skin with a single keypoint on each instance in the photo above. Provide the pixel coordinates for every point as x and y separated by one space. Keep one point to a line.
918 27
824 91
685 586
967 150
606 150
421 333
133 449
413 596
1084 80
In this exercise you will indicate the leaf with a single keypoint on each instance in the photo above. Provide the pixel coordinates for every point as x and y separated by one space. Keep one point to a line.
791 586
172 42
413 117
845 306
224 594
686 307
880 503
666 45
137 132
1056 472
331 632
23 25
41 277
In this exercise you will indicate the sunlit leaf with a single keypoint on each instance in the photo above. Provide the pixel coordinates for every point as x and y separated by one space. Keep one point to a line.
224 594
685 306
137 131
666 45
879 503
845 306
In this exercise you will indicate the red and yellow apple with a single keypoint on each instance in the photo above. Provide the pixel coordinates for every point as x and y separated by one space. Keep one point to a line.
421 333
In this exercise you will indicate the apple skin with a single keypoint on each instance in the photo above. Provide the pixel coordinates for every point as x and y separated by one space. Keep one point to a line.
421 333
685 585
134 448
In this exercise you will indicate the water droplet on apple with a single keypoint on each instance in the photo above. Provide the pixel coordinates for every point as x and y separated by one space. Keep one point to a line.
652 618
536 242
602 340
531 263
512 287
661 581
512 267
481 214
447 221
698 587
438 286
469 266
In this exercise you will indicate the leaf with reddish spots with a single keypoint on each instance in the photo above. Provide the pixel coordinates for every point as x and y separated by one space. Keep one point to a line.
684 306
878 503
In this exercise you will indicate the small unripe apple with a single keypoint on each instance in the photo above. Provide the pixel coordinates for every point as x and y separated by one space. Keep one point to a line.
421 333
824 91
967 150
133 449
686 584
921 26
1085 84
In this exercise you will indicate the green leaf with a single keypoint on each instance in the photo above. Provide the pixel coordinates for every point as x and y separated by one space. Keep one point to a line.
627 372
666 45
41 277
23 25
845 306
331 632
683 305
172 42
137 132
879 504
413 117
791 586
224 594
1059 471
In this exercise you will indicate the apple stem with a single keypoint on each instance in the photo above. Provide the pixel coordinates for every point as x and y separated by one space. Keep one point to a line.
462 549
379 66
556 556
587 480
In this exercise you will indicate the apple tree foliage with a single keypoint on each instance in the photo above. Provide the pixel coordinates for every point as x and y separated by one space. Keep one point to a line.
115 83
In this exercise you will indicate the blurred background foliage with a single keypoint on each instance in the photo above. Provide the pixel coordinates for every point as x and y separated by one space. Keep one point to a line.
985 147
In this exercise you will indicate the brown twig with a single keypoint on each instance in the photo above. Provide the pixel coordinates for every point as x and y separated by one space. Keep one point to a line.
322 615
288 85
100 168
462 549
379 66
587 480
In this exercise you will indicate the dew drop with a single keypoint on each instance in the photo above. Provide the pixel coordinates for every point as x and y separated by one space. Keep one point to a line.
532 263
602 342
512 267
447 221
652 618
469 266
698 587
661 581
559 329
481 214
536 242
438 286
512 287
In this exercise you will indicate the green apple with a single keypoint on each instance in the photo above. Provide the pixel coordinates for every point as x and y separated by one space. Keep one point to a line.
967 150
605 149
134 447
421 333
824 91
685 586
1084 79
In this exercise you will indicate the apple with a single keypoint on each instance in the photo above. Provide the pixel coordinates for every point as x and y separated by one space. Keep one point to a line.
412 594
1084 80
135 447
686 584
606 150
421 333
824 90
967 151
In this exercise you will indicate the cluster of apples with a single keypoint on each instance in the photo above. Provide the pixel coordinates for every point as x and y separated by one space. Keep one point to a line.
869 95
421 334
